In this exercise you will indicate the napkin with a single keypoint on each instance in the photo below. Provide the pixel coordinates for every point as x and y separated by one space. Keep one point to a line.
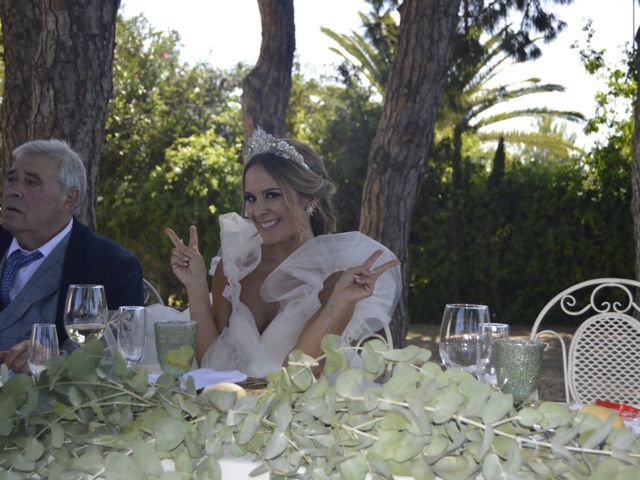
205 377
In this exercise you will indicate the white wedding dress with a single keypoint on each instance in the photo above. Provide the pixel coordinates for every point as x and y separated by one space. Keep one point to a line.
295 284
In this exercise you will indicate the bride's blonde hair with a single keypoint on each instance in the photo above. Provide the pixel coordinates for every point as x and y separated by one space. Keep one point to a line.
309 180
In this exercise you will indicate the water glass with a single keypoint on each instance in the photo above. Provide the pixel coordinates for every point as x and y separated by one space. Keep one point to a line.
486 359
518 367
85 314
131 333
175 344
459 335
43 347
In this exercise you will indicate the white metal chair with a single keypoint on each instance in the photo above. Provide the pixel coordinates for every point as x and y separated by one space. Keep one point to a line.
603 362
151 295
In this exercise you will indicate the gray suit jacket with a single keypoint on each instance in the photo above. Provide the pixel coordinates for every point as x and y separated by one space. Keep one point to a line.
36 302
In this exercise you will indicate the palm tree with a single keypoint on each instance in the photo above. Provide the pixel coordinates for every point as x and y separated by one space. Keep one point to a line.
469 105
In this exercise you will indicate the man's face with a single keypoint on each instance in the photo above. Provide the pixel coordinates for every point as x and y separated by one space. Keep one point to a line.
34 209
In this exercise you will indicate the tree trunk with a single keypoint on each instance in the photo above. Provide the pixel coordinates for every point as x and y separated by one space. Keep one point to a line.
404 134
21 23
267 87
69 52
635 166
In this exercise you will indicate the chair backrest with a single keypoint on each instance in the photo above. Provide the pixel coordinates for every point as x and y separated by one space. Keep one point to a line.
151 295
604 360
604 357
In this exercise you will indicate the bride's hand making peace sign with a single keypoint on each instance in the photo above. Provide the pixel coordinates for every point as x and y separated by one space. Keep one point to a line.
358 282
186 261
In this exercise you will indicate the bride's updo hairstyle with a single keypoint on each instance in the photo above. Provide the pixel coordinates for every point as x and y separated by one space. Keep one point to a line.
295 167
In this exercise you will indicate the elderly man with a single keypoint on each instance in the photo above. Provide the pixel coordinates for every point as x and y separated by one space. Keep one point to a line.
44 248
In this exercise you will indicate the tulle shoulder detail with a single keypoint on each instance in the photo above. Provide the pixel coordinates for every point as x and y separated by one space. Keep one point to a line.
240 245
305 271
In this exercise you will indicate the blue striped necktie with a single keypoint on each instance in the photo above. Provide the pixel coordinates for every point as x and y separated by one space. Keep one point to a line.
15 262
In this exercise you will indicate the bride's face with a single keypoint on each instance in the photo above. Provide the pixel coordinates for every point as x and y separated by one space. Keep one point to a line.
265 206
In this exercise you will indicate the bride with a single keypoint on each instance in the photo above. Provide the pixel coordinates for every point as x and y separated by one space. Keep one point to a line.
284 280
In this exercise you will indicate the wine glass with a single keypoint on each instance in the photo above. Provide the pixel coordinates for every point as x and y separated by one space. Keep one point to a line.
486 360
459 334
43 347
86 314
131 333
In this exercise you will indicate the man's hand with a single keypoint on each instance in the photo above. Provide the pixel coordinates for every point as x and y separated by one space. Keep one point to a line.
16 357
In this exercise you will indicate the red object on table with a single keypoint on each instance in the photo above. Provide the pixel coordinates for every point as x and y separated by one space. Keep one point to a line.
626 411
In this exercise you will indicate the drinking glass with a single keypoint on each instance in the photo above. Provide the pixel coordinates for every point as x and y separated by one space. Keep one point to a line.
486 360
43 347
86 314
131 333
175 344
518 367
459 334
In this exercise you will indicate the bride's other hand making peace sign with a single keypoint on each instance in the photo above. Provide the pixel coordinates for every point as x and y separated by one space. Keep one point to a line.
186 261
359 282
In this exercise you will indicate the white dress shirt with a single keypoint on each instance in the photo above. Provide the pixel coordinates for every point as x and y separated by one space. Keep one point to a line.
25 273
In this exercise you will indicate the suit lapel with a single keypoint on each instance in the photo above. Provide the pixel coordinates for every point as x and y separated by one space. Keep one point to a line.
44 282
74 265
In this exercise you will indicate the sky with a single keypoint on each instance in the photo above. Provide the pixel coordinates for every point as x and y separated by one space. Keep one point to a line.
225 32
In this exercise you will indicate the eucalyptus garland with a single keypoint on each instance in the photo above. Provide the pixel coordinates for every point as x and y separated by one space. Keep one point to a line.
89 417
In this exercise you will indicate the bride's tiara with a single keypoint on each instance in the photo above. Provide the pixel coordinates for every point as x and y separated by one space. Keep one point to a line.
263 142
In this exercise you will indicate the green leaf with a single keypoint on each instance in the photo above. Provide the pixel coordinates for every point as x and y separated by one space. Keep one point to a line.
487 441
387 444
514 461
169 433
122 467
6 426
74 396
259 470
349 383
33 449
491 467
496 408
528 417
402 383
555 415
90 462
455 468
146 458
248 429
600 435
372 360
7 474
419 414
57 435
395 420
330 343
446 406
354 467
405 354
276 445
19 462
282 414
409 447
436 448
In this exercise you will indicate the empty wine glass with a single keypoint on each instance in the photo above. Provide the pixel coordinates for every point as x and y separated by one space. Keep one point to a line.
86 314
43 347
459 334
486 361
131 333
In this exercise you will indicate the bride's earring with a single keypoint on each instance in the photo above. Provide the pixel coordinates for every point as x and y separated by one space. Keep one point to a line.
310 209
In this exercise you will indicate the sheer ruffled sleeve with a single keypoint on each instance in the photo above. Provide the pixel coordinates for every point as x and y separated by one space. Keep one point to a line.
303 274
240 247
